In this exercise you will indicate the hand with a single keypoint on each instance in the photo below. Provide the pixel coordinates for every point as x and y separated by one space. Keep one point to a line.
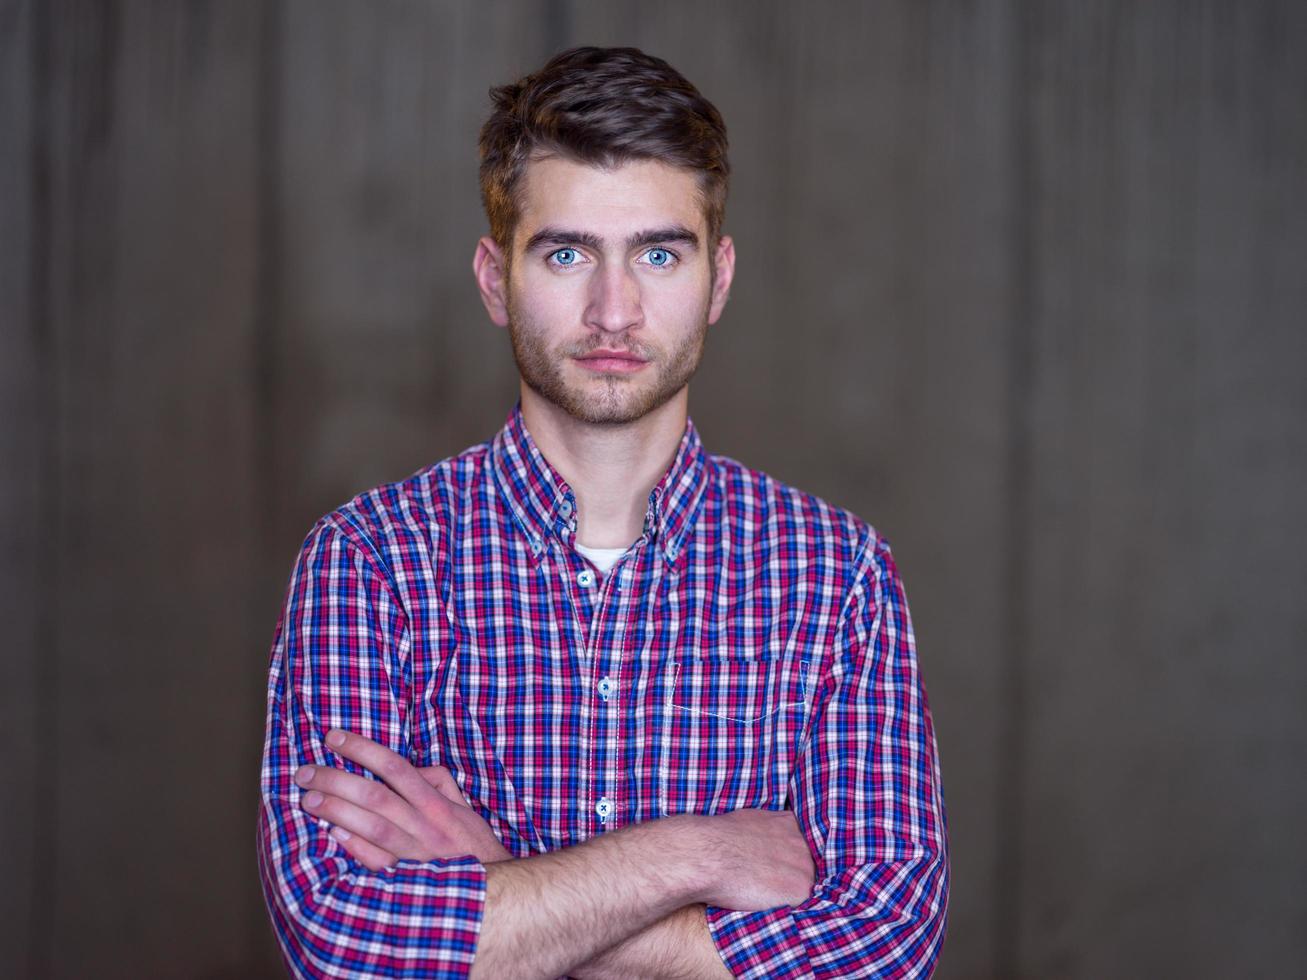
760 860
418 813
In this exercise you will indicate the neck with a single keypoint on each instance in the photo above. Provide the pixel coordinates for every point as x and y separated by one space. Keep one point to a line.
611 469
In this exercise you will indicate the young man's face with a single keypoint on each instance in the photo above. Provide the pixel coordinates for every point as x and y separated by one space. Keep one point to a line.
610 290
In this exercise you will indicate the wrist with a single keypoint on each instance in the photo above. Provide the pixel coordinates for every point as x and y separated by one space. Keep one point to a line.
681 847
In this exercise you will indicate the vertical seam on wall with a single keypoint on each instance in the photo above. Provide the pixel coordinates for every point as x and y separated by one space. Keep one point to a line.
267 268
45 800
558 26
267 293
1012 728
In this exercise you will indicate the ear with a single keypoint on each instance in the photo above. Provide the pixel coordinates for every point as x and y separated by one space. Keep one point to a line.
724 257
491 273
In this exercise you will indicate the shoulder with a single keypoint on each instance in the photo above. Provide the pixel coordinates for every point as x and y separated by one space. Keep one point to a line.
400 521
758 505
829 545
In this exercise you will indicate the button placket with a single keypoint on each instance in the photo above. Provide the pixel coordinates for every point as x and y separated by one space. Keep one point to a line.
604 647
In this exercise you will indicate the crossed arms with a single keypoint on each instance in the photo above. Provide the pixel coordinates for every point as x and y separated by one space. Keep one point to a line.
633 893
660 898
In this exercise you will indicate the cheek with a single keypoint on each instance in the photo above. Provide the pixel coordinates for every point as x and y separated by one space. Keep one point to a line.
678 297
685 307
548 300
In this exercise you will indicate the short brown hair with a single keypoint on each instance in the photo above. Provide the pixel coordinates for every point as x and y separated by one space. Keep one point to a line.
604 107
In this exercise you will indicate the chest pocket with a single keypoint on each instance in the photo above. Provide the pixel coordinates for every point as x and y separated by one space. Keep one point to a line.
731 733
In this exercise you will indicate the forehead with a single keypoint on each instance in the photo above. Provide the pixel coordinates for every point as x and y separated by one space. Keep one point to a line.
608 201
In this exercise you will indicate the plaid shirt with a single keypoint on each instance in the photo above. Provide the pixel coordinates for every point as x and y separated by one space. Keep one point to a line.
751 649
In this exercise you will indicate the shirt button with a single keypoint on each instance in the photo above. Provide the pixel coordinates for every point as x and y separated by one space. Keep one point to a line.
565 508
606 687
586 578
604 808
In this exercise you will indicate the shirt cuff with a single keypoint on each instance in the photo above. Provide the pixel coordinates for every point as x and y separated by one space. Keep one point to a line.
762 945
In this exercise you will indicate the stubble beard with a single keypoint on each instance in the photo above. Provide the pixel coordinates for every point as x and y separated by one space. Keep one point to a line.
612 399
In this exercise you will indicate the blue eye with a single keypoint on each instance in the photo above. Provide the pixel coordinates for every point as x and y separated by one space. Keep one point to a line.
565 256
659 257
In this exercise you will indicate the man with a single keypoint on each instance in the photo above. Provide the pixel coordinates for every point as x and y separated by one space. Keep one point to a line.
586 699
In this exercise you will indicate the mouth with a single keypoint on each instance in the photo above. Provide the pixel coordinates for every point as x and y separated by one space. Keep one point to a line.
611 362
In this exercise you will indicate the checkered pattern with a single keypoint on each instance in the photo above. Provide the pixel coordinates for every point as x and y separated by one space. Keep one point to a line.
751 649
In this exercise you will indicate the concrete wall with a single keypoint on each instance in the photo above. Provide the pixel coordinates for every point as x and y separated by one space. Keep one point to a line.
1021 283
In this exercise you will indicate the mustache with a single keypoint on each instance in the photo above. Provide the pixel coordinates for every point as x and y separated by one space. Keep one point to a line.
613 344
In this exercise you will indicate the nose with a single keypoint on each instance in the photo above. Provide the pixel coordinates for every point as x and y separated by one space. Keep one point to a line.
614 300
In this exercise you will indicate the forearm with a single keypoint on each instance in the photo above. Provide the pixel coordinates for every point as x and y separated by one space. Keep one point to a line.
546 915
678 947
555 912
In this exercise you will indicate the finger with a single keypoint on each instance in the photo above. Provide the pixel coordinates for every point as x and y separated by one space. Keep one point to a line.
366 793
393 769
373 828
369 855
443 780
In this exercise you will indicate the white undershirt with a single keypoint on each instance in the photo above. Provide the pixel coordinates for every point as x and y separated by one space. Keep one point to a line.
602 558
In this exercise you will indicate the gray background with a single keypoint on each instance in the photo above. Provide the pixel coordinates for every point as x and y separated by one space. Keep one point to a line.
1021 283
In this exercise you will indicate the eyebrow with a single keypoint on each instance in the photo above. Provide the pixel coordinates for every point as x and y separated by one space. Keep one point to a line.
561 238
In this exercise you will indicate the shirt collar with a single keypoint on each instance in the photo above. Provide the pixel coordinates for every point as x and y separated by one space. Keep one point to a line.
542 503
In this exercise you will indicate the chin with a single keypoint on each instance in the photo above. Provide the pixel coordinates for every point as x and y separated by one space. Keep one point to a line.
605 412
604 409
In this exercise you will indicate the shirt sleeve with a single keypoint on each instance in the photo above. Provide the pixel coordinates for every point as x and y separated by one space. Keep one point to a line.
340 658
866 790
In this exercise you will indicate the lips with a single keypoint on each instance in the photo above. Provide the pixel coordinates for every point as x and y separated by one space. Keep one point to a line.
611 361
610 355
